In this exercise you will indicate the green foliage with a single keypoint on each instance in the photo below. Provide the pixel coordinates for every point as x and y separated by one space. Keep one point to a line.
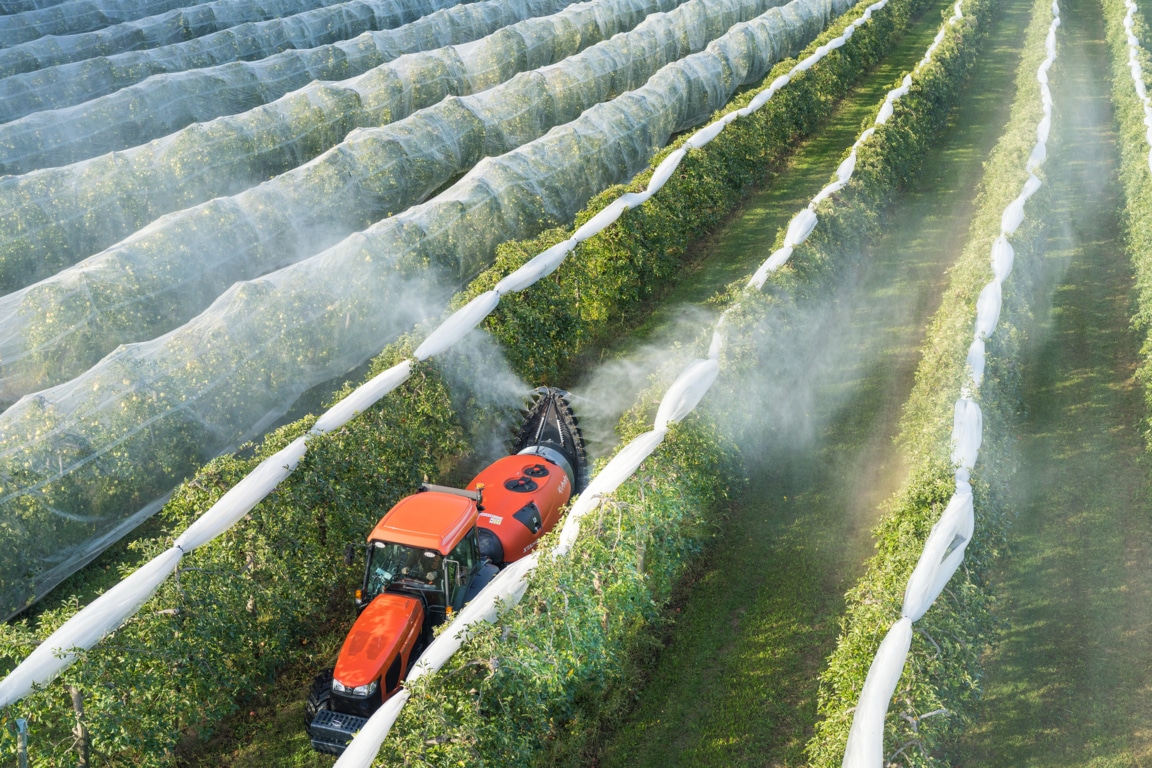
1134 177
542 671
943 669
530 688
612 275
243 604
240 607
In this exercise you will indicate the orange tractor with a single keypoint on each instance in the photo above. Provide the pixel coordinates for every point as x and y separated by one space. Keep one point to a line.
433 552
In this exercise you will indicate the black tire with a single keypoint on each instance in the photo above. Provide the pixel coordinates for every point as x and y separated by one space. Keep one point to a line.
319 698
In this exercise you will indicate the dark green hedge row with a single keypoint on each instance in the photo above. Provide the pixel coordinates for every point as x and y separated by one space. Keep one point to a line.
611 275
533 687
943 668
1135 178
243 606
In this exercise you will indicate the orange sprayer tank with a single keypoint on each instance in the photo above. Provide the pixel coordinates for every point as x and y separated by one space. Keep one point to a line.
523 496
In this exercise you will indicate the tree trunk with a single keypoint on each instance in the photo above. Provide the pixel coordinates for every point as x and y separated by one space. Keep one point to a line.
80 732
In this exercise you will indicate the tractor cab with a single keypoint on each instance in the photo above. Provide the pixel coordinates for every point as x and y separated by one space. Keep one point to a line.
427 547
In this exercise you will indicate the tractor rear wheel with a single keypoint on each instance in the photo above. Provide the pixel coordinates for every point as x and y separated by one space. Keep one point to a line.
319 698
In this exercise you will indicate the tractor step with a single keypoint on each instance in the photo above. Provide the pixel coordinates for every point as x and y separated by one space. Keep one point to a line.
332 731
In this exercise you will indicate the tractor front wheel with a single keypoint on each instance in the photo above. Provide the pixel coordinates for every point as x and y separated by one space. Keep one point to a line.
319 698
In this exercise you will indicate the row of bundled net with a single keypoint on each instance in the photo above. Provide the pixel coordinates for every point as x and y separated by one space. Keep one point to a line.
19 6
681 398
150 32
165 103
70 84
74 16
165 275
52 218
79 459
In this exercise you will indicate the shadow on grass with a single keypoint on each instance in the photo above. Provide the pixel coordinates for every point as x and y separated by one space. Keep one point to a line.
737 682
1070 683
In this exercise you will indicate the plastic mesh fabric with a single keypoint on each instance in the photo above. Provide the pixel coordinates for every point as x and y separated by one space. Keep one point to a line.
151 32
20 6
52 218
78 16
70 84
947 542
166 103
75 459
163 276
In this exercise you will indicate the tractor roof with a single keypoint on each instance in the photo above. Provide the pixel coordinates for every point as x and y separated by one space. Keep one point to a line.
429 520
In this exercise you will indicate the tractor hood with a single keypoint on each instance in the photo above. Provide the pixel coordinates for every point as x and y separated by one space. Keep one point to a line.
388 625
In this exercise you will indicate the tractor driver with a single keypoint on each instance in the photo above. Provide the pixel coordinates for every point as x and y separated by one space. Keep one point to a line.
432 565
424 564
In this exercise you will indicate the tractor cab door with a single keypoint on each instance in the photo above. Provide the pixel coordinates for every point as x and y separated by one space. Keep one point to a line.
464 568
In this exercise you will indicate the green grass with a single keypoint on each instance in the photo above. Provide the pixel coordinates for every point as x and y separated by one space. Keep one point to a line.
1069 683
745 240
737 683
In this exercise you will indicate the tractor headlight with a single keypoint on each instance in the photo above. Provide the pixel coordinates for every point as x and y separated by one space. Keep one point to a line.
359 690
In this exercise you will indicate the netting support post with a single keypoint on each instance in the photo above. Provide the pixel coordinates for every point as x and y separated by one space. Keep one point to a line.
80 732
22 742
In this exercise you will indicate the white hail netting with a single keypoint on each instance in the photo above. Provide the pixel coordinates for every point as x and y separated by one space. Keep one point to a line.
54 217
165 103
680 400
166 274
59 213
20 6
946 543
805 221
152 32
1137 71
66 85
74 16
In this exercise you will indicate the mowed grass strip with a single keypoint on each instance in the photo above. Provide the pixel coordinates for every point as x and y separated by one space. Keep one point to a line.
1070 683
739 246
737 682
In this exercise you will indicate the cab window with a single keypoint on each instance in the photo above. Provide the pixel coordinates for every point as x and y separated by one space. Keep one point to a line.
467 552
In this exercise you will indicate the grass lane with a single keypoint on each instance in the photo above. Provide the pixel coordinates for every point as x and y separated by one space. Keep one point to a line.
1070 682
738 247
737 682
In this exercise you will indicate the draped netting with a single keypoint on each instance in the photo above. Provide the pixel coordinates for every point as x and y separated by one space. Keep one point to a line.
70 84
78 460
38 19
151 32
164 275
1137 71
19 6
52 218
165 103
951 534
